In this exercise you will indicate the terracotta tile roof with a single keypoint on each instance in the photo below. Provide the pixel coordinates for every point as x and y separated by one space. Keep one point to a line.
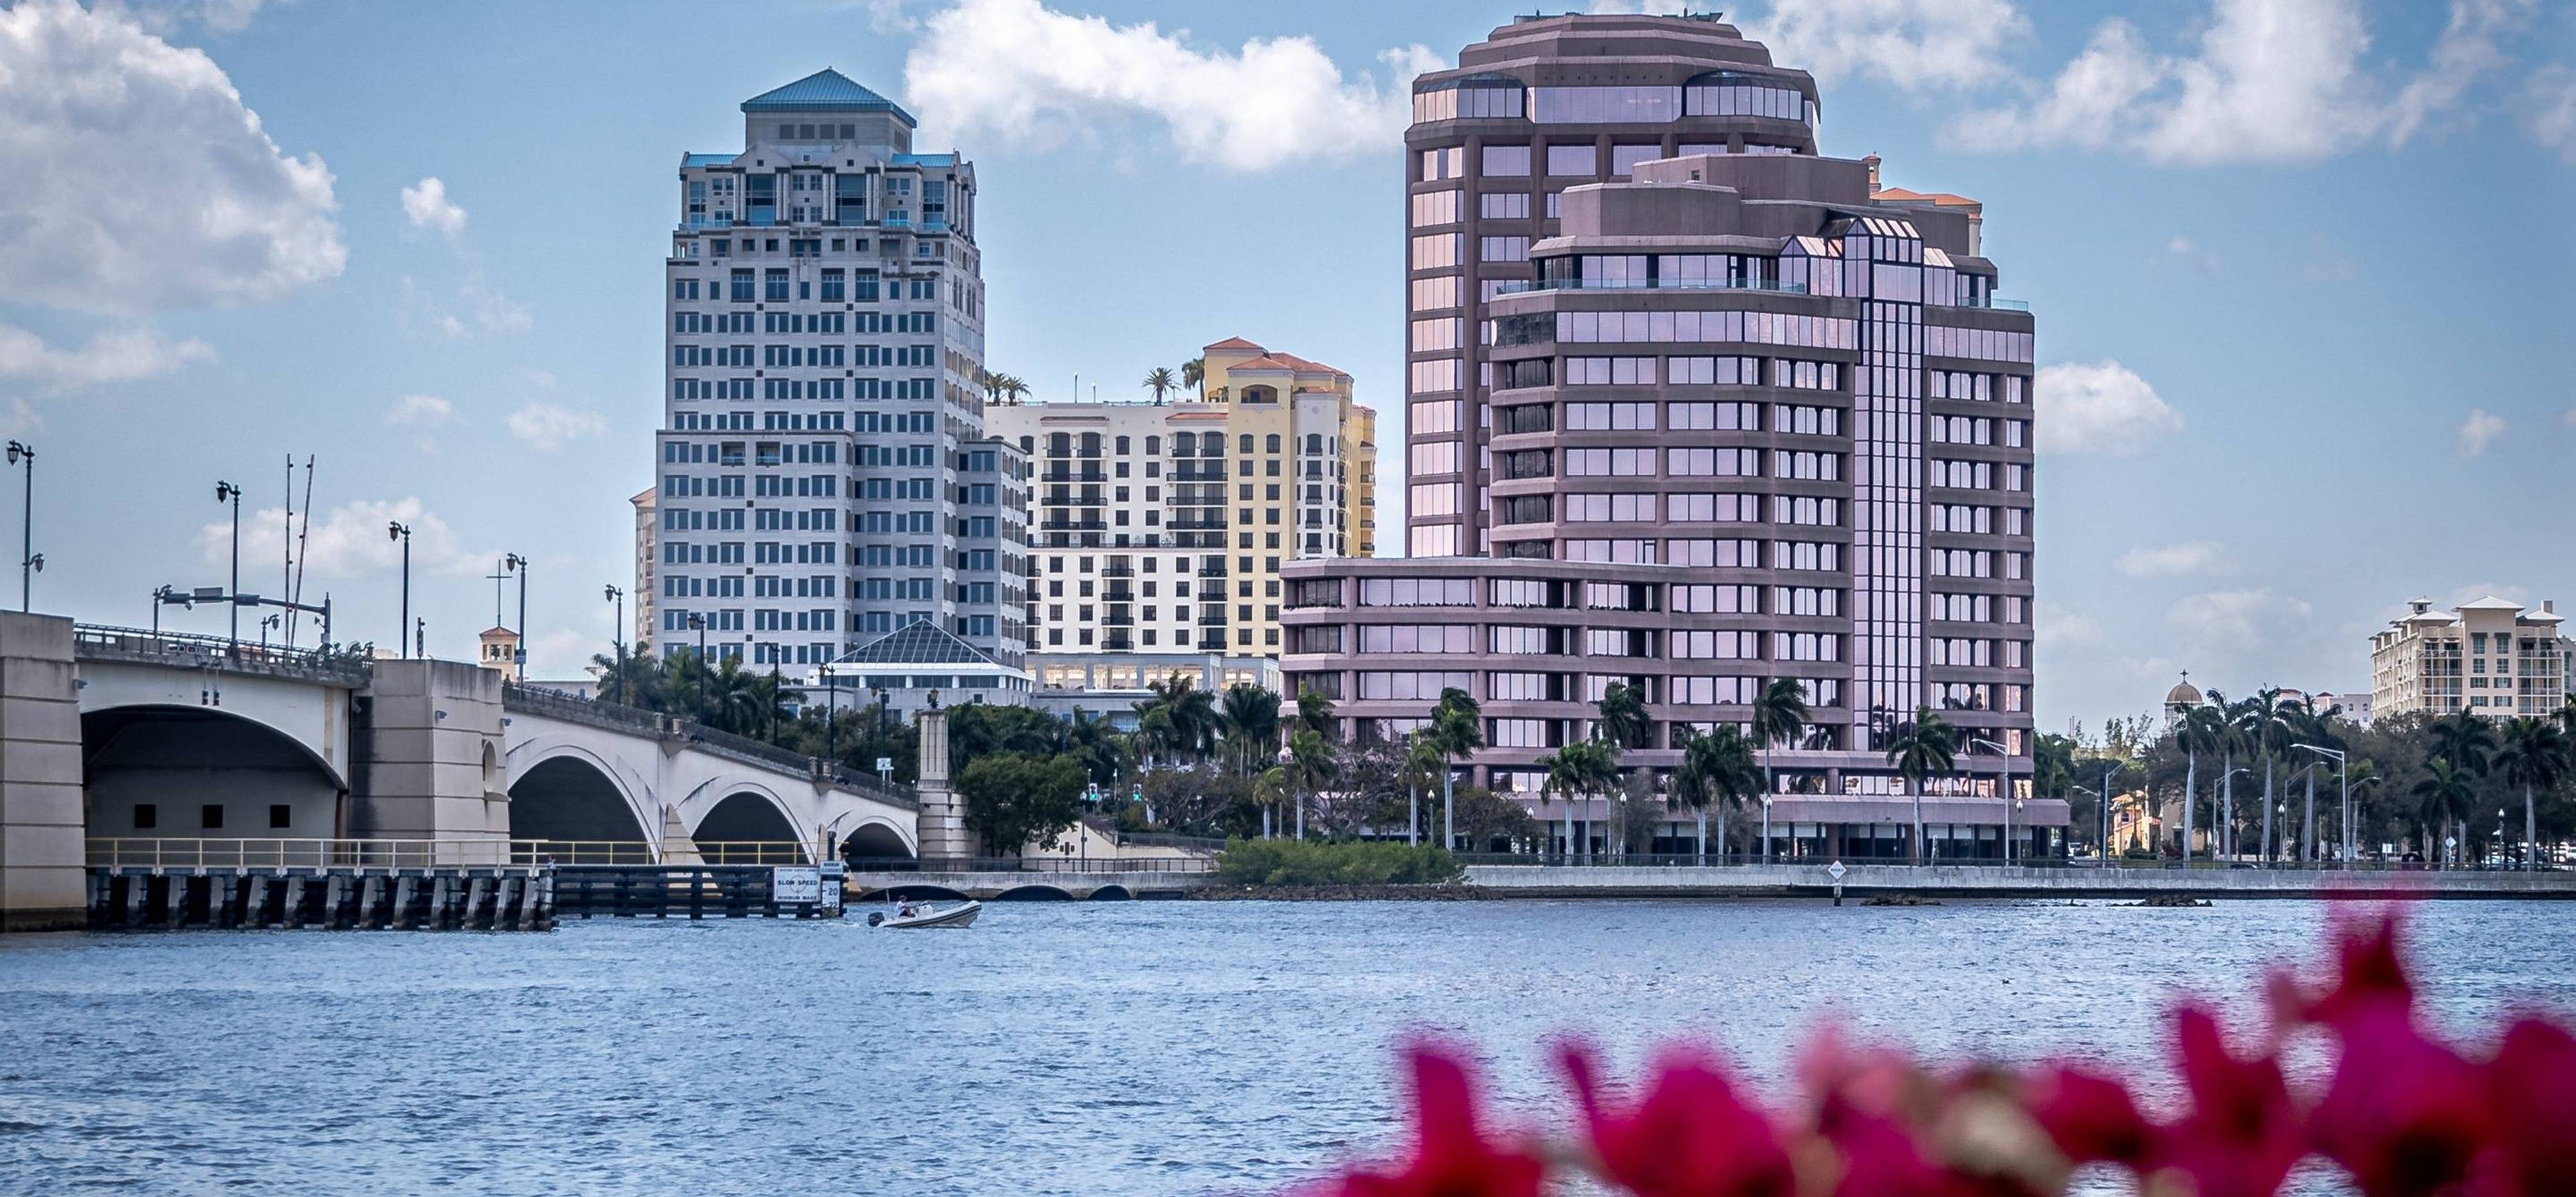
1235 345
1942 198
1283 361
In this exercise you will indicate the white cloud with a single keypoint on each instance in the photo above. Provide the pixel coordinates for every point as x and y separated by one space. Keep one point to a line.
2174 560
1913 44
137 178
549 426
2466 53
484 310
1030 73
2099 408
2056 626
162 16
420 411
2272 81
2083 106
2478 431
351 541
426 205
19 418
2228 625
2549 109
2179 245
124 355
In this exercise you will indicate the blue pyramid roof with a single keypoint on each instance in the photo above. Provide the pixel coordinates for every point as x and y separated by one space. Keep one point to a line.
826 90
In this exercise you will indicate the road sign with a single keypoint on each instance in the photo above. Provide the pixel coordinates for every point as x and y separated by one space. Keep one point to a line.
885 764
1836 870
795 885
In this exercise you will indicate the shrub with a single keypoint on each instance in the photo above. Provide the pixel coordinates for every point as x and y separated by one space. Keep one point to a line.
1308 862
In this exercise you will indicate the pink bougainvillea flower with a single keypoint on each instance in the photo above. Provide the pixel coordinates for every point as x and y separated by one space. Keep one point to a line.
1451 1156
2089 1116
2404 1114
2243 1133
1689 1135
2531 1101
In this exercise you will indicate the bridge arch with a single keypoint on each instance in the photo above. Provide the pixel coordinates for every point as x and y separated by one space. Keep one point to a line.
1033 893
158 769
561 789
1112 893
877 838
746 816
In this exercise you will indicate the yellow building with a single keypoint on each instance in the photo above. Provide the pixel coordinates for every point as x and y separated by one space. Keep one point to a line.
500 652
1156 527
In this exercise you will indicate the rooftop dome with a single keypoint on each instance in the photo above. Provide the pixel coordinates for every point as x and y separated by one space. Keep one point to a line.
2184 694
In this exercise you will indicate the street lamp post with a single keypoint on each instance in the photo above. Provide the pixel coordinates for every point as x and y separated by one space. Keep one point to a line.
519 565
617 640
1766 827
397 530
1296 797
226 492
698 623
28 562
2343 765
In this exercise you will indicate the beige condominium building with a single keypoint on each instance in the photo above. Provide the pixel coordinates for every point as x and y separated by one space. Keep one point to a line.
1158 528
2494 656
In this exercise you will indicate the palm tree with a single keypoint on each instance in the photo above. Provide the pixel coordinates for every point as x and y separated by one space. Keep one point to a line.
1716 769
636 678
1193 373
2534 756
1779 717
2446 790
2231 721
1422 762
1578 770
1249 723
1177 719
1013 387
1160 381
2196 730
1315 714
1457 730
1623 716
1267 789
2465 740
1921 747
2266 733
1311 766
2303 723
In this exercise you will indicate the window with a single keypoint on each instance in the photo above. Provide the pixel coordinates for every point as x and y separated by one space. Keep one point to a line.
1571 160
1504 205
1507 160
211 816
280 815
146 816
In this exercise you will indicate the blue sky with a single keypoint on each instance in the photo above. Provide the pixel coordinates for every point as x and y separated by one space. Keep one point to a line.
2300 268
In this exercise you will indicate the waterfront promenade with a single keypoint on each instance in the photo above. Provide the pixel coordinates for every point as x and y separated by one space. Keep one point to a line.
1810 879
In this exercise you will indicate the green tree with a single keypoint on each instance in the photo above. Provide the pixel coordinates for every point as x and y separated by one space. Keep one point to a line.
1779 718
1920 748
2533 756
1423 762
1160 381
1013 800
1716 770
1193 375
1583 769
1311 767
1457 730
1248 722
1485 817
1623 716
1315 714
2445 793
2198 728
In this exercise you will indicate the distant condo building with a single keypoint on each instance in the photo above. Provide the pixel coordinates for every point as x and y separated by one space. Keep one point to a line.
1691 408
1161 528
2493 656
823 473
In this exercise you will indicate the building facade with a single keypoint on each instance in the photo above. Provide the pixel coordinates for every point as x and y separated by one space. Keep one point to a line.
823 477
1690 409
1162 528
2493 656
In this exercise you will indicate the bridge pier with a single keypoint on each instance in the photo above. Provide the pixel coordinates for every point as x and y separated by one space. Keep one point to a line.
41 819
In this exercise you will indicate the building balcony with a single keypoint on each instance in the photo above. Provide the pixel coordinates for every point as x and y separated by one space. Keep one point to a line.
1118 643
1212 571
1212 640
1117 570
1117 618
1215 620
1196 525
1072 525
1118 594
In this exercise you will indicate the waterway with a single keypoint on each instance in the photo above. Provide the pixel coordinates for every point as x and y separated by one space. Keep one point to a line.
1131 1048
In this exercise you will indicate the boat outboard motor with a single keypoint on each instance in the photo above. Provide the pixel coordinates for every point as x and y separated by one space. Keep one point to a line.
876 918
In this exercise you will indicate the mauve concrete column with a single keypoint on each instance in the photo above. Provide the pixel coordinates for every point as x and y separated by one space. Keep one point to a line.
434 754
42 860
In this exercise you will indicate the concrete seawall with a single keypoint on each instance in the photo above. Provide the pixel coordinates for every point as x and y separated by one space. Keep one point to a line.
1985 881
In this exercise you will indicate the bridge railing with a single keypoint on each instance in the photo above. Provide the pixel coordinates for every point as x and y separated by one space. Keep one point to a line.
192 854
1034 864
594 712
179 650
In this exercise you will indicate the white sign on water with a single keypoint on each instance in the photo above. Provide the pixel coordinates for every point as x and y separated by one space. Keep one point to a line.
800 885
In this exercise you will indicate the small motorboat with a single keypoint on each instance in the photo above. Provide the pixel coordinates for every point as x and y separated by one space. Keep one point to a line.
928 914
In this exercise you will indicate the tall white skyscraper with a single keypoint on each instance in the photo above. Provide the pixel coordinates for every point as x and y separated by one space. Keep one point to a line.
823 474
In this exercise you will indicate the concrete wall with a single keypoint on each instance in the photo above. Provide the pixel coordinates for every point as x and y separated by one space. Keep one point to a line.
42 882
434 754
942 829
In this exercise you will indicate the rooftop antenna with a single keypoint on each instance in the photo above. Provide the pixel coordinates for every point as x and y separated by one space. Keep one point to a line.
286 542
